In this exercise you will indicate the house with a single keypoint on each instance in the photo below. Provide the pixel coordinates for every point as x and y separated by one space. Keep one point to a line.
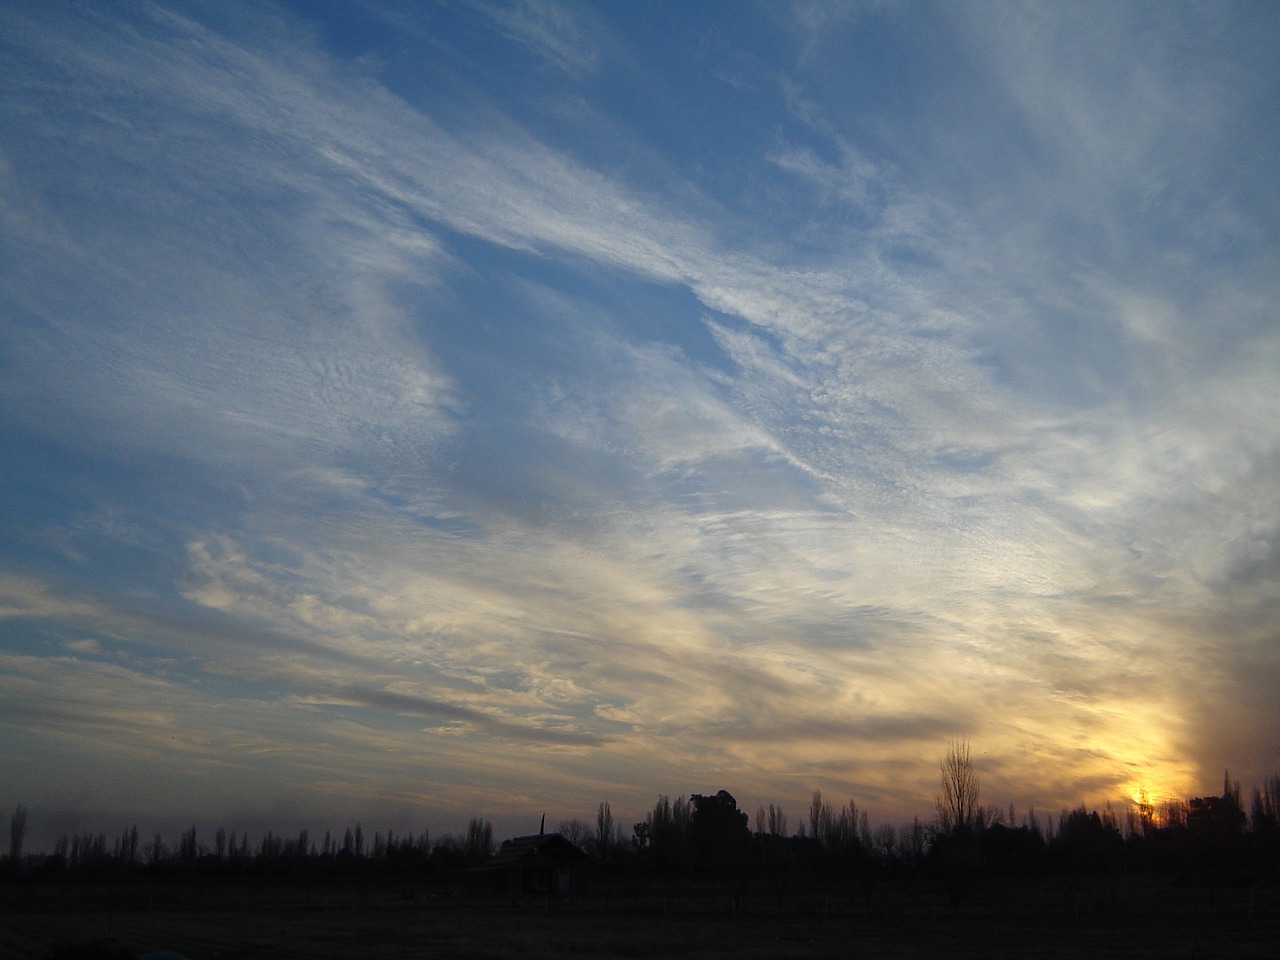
544 865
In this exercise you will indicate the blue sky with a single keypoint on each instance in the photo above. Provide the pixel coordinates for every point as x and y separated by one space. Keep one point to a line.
410 412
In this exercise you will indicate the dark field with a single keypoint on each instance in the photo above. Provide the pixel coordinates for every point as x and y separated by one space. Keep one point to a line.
1142 917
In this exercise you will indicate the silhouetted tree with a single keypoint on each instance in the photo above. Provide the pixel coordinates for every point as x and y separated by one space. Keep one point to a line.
1266 804
1012 851
914 841
886 839
187 846
642 837
17 835
837 831
127 846
958 802
1265 825
155 852
479 844
448 852
1086 843
719 831
272 847
1215 833
87 848
957 831
777 821
663 837
720 841
575 831
604 830
771 822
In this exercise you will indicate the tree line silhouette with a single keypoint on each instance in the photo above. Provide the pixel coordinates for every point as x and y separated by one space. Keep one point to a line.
1211 840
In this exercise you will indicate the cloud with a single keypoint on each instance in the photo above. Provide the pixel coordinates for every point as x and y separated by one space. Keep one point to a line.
549 30
498 447
311 347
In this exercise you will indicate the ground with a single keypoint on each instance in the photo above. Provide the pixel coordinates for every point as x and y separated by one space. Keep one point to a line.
1050 918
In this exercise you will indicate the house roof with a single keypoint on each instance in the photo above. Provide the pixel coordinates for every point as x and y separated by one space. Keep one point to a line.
549 849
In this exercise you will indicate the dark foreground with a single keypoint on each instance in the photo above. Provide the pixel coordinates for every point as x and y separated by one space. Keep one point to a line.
1131 918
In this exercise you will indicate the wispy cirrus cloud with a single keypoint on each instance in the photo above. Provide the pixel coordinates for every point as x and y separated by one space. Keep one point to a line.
550 30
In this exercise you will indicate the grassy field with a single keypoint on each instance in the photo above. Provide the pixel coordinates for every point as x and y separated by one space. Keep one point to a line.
1129 918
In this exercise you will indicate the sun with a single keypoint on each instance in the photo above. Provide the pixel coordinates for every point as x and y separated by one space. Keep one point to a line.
1144 805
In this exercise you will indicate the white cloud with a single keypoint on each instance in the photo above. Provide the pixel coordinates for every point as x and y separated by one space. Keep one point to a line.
549 30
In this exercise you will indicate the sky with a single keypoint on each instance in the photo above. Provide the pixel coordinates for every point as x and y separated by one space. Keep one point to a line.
411 412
